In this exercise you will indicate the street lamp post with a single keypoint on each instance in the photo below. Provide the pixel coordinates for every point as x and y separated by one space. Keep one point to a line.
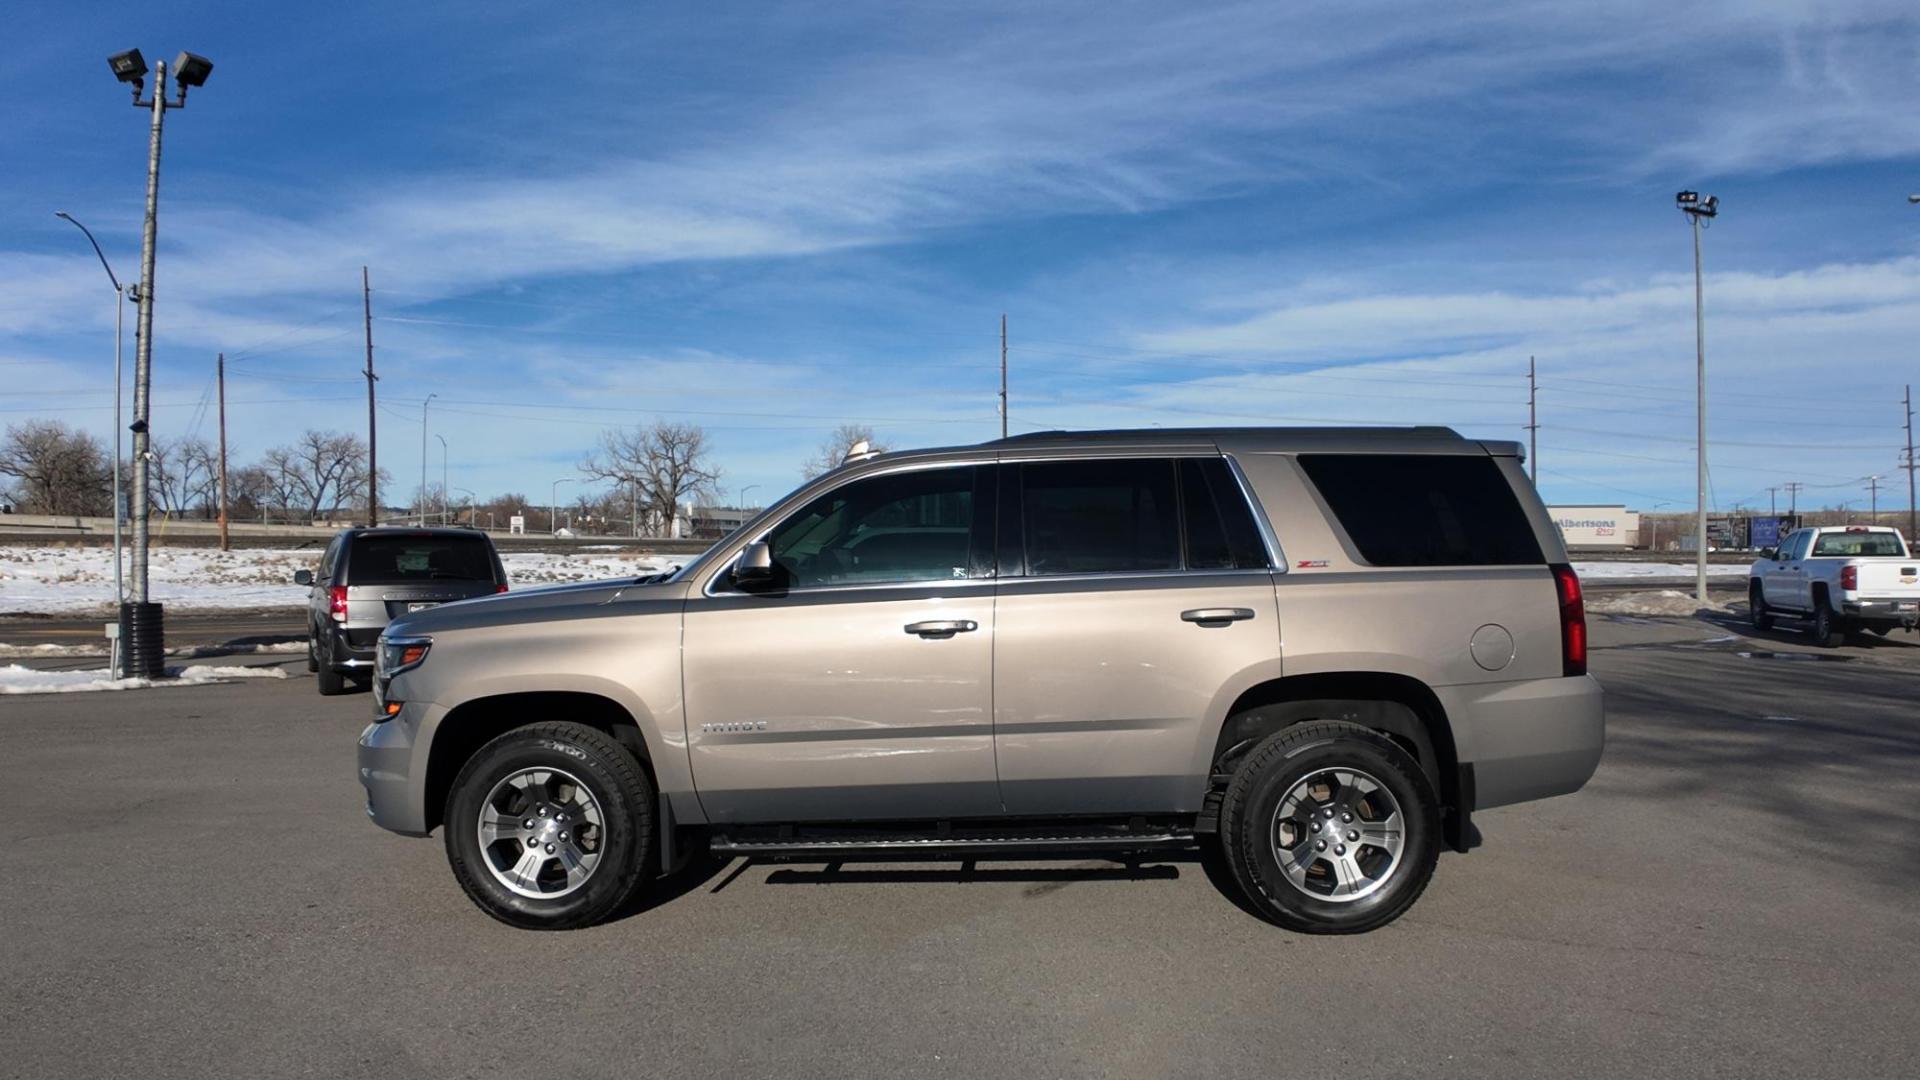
147 651
1699 209
420 507
443 476
119 339
553 505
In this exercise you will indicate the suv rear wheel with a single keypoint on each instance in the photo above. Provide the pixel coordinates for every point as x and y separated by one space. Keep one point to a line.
1330 828
549 826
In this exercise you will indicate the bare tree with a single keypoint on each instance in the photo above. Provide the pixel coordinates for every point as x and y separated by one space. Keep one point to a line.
56 469
665 464
186 474
321 471
835 448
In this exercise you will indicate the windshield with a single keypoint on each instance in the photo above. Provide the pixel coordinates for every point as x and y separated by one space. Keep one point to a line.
1861 544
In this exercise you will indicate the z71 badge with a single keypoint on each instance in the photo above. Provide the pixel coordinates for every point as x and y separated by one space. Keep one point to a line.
1310 564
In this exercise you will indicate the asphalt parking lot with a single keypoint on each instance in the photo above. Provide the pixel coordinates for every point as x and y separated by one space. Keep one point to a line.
191 889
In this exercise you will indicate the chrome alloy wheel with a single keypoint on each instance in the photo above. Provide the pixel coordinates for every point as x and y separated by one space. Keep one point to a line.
1338 835
540 833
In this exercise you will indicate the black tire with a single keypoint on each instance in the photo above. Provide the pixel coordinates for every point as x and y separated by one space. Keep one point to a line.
1824 628
1757 608
606 771
313 659
330 682
1262 782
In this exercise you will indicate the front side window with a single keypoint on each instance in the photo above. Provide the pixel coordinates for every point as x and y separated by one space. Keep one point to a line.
1100 516
911 526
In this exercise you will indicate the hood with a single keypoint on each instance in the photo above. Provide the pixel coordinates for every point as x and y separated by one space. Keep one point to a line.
535 605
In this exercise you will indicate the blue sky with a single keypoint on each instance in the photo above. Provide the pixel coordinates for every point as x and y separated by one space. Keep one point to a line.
772 219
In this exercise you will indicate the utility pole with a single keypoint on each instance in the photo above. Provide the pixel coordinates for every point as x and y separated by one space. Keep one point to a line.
1698 209
1003 375
221 370
1533 425
1793 497
1873 499
373 459
1773 506
423 458
1913 527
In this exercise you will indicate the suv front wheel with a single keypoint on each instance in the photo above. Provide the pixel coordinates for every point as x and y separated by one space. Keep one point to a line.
549 826
1330 828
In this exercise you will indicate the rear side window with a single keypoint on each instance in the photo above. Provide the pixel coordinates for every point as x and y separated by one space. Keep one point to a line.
1221 534
402 559
1100 517
1425 509
1860 544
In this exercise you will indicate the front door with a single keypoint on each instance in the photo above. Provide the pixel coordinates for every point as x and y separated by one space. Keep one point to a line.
859 684
1136 595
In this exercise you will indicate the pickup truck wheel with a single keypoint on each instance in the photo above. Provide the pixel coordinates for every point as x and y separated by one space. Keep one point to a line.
1757 608
1822 629
1330 828
548 827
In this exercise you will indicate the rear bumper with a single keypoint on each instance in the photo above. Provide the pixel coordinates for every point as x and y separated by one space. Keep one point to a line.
1528 740
348 659
1887 610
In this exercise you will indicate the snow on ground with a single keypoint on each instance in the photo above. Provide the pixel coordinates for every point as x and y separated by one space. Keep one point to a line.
51 579
51 652
1623 569
15 679
1663 602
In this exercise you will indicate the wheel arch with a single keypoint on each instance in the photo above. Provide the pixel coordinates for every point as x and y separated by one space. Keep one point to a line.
478 721
1398 706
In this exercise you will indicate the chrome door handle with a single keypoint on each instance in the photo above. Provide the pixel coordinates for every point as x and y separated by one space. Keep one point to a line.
1215 615
942 628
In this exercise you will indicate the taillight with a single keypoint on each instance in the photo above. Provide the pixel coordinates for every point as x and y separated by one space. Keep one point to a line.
337 603
1573 621
500 588
1849 578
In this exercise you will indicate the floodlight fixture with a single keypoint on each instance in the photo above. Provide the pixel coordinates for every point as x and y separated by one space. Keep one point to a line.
191 69
129 67
1710 206
1686 199
1914 198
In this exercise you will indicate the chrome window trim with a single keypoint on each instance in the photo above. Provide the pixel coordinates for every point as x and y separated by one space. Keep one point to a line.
1276 558
1131 575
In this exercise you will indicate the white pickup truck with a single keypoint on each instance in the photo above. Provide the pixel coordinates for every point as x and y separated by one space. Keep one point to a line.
1840 580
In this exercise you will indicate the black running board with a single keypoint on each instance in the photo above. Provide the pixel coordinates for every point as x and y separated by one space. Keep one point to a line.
935 846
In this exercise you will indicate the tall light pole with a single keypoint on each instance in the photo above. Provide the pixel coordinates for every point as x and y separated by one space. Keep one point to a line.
553 505
1699 210
119 338
147 651
421 505
443 476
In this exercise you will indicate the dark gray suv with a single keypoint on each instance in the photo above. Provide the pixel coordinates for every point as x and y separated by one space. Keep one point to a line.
368 577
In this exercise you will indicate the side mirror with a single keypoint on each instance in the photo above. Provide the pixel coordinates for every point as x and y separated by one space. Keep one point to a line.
1770 554
755 566
303 577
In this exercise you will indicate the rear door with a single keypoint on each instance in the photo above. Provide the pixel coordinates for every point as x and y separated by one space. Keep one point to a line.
390 573
1135 597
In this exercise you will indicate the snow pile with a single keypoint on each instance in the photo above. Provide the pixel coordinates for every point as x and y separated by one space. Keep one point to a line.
1664 602
48 579
15 679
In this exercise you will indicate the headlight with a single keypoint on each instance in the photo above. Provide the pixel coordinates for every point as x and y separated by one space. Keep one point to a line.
397 654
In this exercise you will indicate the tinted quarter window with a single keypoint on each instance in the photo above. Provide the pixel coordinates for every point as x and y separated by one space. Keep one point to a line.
1098 517
1425 509
911 526
1221 534
404 560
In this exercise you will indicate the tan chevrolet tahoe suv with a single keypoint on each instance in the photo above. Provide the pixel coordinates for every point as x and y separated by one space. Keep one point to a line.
1314 652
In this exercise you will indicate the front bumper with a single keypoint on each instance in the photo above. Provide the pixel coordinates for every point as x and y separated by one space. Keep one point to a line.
1528 740
393 769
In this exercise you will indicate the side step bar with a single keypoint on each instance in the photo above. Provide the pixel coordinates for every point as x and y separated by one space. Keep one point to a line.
937 846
